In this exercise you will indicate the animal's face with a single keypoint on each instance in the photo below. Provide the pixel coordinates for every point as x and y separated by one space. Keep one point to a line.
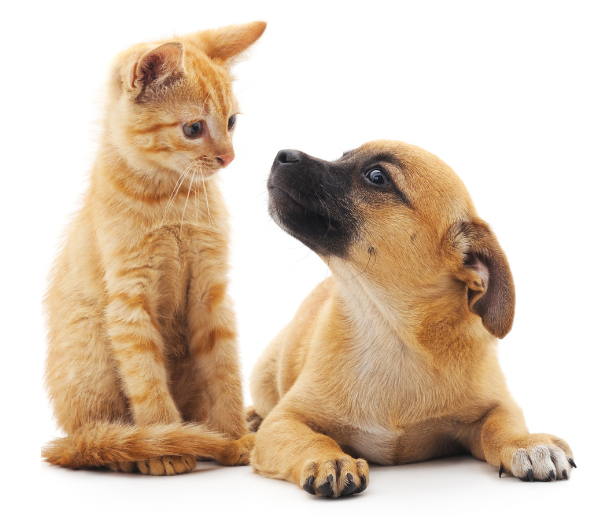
396 215
171 105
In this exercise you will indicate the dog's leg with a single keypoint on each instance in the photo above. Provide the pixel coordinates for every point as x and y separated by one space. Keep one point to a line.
287 448
503 440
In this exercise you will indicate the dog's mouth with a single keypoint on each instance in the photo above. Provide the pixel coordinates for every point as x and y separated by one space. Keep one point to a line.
286 205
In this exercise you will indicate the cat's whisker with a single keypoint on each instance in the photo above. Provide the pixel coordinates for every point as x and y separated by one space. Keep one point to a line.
177 185
247 85
186 200
174 193
203 181
196 196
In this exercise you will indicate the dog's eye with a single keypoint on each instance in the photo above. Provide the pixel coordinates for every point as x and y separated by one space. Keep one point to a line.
193 130
377 177
231 122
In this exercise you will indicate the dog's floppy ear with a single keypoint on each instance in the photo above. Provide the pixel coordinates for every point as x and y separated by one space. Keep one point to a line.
483 267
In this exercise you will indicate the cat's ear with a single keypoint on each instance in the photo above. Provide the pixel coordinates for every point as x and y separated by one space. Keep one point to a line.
482 265
227 43
156 67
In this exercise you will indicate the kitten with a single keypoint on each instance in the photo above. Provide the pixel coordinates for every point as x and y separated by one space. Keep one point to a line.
142 365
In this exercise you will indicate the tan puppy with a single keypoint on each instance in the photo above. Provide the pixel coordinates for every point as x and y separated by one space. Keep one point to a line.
393 358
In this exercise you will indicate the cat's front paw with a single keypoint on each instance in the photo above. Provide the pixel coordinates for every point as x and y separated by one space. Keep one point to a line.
167 465
537 457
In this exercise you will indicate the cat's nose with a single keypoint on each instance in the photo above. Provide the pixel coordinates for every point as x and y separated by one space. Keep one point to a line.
225 159
288 156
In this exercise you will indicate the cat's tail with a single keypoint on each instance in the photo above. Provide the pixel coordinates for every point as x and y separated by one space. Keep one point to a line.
103 443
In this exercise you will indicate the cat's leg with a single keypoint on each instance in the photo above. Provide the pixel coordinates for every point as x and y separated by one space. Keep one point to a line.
287 447
503 440
213 346
81 377
138 349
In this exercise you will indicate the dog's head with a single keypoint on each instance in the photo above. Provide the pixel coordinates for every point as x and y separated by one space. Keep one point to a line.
400 218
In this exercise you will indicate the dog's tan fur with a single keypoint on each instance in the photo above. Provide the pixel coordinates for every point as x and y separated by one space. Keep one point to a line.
393 358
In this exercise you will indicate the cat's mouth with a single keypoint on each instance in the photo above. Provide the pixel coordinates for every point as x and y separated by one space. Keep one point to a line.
205 169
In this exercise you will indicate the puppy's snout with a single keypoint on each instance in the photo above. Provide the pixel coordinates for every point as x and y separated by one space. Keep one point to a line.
287 156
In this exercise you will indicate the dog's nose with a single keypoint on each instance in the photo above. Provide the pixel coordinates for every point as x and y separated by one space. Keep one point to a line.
288 156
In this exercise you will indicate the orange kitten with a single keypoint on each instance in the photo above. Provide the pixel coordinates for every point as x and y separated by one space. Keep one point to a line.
142 365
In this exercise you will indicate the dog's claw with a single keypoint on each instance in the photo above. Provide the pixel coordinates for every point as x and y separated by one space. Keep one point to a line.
362 486
307 487
327 488
501 469
350 487
530 475
572 463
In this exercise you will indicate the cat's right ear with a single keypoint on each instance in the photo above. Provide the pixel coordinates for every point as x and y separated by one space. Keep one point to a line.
156 68
227 43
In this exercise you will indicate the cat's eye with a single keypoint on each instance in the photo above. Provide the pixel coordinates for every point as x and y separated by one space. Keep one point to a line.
193 130
377 177
231 122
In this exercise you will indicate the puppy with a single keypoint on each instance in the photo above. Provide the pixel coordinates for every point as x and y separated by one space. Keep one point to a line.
393 358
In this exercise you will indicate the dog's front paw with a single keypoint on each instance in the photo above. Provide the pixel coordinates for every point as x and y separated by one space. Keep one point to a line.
335 478
537 457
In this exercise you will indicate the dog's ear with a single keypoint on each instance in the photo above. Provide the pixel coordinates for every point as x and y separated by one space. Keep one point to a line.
483 267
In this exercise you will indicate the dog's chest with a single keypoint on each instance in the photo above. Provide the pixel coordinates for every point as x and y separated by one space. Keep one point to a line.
377 444
394 394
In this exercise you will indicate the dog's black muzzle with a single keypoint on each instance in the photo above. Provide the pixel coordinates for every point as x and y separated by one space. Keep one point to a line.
309 198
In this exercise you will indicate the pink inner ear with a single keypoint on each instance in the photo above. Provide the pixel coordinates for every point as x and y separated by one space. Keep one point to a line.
477 265
157 64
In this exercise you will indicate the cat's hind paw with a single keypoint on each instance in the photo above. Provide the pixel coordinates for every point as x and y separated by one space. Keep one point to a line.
167 465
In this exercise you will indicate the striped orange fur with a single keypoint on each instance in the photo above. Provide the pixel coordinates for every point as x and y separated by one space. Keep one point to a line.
142 367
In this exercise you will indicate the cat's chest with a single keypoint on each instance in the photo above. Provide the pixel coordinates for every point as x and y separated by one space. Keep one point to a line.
188 259
183 246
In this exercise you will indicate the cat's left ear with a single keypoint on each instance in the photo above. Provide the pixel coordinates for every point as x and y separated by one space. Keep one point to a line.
157 67
227 43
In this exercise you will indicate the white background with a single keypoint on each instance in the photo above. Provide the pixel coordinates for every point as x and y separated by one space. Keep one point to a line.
500 90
